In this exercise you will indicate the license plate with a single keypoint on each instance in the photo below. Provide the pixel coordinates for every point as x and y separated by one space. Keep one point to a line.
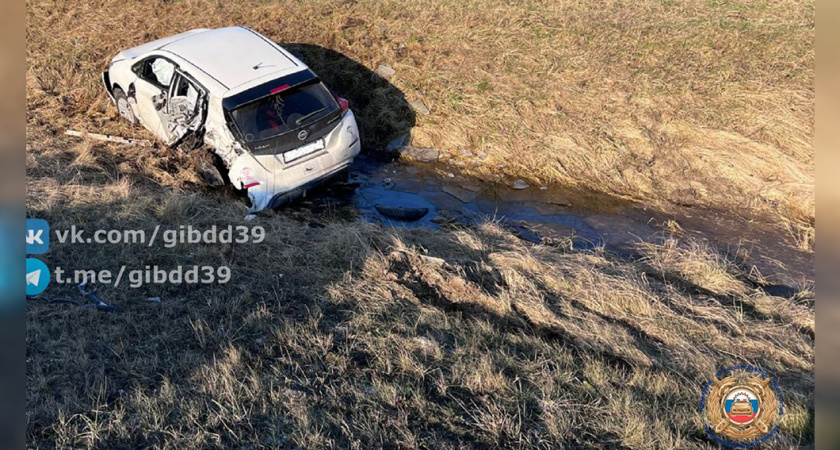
300 152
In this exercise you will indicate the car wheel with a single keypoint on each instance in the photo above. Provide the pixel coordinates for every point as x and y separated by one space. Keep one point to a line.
124 106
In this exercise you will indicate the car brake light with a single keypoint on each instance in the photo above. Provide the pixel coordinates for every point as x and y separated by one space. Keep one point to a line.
344 103
279 89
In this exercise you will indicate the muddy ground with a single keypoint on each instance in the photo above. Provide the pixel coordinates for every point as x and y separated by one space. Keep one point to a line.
574 218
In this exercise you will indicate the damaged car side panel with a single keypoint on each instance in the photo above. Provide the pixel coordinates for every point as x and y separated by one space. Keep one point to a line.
162 95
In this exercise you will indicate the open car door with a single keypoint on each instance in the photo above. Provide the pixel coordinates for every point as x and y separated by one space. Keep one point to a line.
186 108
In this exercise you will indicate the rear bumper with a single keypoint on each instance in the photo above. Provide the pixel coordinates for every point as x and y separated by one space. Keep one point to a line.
272 183
300 192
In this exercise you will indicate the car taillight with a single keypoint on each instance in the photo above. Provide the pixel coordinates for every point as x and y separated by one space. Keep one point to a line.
344 103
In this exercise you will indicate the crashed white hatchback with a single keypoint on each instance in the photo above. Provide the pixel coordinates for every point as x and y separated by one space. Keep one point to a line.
278 129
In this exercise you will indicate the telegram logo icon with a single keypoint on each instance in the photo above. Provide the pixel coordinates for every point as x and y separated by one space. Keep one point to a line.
37 276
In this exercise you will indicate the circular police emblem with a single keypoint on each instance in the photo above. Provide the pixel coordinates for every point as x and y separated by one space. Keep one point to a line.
741 407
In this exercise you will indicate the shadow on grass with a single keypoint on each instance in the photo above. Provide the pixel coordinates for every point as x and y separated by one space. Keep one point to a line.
381 110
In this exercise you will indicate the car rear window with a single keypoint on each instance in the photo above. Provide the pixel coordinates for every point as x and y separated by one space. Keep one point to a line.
284 111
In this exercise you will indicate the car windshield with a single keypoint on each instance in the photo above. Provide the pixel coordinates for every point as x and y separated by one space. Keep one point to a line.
285 111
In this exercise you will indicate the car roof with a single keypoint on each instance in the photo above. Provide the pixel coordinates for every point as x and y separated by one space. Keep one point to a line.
233 56
141 50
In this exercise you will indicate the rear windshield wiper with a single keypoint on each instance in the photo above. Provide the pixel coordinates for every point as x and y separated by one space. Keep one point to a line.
309 115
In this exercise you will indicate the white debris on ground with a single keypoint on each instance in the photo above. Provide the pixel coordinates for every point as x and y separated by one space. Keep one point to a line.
385 71
421 154
520 184
420 107
109 138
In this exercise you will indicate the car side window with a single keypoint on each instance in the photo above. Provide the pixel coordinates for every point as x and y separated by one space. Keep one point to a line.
158 71
186 90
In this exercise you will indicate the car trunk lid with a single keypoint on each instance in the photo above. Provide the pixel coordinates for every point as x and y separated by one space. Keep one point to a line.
284 114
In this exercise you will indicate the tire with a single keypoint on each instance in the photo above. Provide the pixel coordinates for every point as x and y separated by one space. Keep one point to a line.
208 164
124 106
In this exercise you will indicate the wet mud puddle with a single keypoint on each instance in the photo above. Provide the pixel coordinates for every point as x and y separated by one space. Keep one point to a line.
424 195
419 196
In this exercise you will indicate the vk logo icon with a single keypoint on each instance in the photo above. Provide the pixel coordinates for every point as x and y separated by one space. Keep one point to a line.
37 276
37 236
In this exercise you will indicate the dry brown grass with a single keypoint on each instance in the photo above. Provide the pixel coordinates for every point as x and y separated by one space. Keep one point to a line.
696 263
346 336
350 336
706 103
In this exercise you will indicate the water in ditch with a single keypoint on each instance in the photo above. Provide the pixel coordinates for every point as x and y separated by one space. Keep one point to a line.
403 194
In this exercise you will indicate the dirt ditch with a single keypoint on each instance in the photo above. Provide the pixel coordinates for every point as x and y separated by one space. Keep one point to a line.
406 194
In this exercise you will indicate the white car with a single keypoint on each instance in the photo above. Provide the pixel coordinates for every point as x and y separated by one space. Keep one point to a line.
278 129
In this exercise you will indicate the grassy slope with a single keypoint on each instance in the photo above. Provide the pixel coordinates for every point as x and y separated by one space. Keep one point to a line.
344 335
691 102
353 338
